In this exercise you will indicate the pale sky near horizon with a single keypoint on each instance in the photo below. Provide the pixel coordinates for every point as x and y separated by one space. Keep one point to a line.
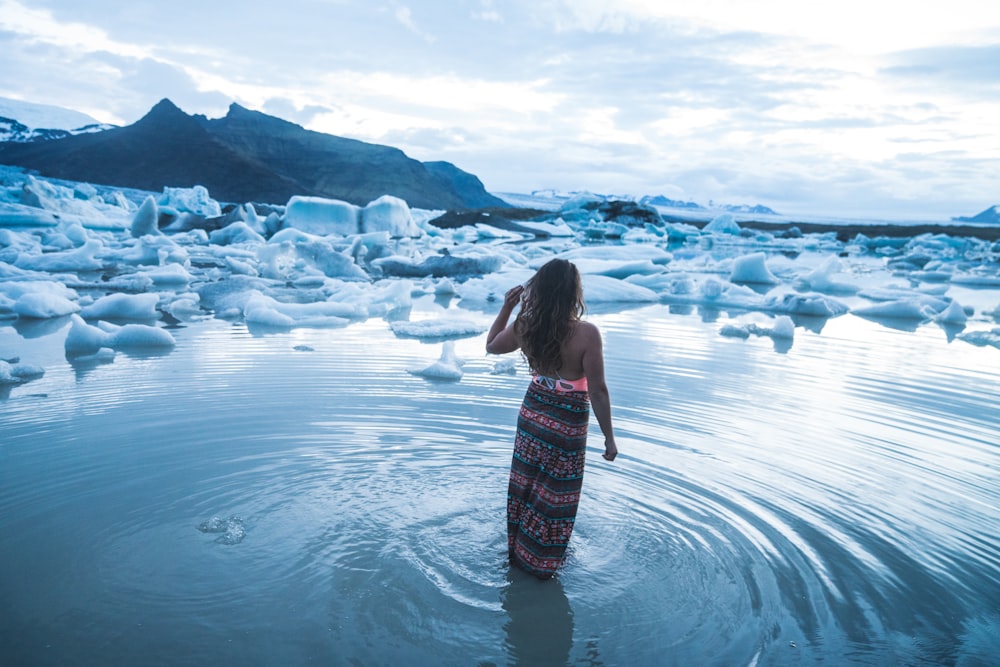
849 108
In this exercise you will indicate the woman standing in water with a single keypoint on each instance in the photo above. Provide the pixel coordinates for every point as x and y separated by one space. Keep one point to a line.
566 358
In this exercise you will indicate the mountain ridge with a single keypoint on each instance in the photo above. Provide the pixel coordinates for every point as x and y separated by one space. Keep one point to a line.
247 156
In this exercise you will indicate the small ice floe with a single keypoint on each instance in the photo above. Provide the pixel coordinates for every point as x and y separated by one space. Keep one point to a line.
84 339
438 328
735 331
43 305
231 530
952 314
783 329
913 308
505 366
122 307
448 367
752 268
982 338
14 372
821 279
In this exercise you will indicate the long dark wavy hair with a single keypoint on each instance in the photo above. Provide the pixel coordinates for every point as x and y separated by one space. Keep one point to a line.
551 307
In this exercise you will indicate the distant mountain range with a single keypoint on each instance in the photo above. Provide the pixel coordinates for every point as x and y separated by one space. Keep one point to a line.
660 200
247 156
990 216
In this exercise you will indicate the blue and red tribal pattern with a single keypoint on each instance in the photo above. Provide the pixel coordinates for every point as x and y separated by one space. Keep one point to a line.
546 475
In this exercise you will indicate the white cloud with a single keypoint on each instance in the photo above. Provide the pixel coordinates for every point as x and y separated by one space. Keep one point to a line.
404 15
779 102
39 25
856 25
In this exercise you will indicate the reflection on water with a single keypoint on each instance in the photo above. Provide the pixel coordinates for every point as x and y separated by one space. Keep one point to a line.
539 630
833 501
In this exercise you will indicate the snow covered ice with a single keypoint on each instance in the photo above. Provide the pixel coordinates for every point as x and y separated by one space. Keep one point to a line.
116 266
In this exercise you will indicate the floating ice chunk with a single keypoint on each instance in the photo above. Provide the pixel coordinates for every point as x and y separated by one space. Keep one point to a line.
43 305
104 355
604 289
724 223
982 338
892 293
445 264
665 283
16 289
237 232
320 216
489 289
505 366
80 259
122 307
821 279
448 367
784 327
752 268
190 200
902 309
816 305
19 215
388 296
133 336
389 214
262 311
239 267
556 229
622 253
17 373
184 307
146 219
84 339
976 279
147 250
735 331
445 287
438 328
169 275
265 310
299 255
952 314
618 269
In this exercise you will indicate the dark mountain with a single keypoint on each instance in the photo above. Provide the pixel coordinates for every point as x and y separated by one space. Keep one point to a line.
467 185
247 156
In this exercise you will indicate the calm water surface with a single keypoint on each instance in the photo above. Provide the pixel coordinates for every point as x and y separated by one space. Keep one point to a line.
292 497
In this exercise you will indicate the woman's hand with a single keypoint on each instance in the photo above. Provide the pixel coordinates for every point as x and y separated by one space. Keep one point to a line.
610 450
513 296
501 339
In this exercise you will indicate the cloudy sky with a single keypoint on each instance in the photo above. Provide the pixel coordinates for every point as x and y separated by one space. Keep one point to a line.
851 108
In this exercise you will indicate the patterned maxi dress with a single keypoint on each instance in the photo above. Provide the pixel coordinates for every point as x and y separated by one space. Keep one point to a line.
546 476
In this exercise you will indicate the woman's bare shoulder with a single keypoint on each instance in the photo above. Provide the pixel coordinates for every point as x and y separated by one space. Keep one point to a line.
587 332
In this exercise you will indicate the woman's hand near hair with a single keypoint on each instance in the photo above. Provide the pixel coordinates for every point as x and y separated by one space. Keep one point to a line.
501 338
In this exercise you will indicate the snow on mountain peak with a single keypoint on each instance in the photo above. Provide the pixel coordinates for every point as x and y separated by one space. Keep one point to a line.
28 121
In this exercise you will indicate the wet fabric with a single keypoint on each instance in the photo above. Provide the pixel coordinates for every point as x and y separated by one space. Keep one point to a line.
546 476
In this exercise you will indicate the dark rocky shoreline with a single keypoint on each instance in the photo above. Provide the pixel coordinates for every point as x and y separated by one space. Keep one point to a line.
509 219
846 232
